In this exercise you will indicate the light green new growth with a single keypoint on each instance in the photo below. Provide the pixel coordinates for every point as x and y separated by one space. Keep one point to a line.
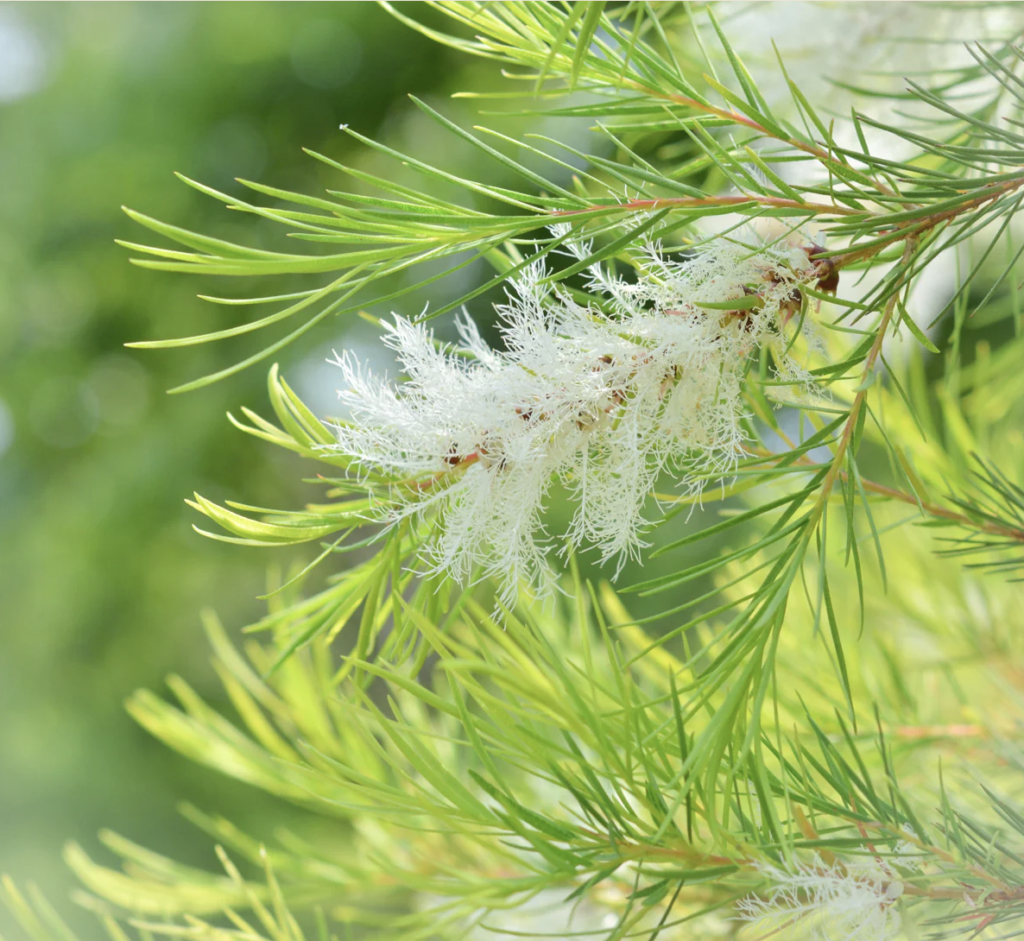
813 728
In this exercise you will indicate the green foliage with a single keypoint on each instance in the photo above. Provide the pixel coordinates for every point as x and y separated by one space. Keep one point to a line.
819 689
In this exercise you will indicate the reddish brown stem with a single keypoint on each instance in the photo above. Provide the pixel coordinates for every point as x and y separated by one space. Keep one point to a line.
932 509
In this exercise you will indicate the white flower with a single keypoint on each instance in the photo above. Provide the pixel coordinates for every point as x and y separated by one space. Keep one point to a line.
906 853
831 48
601 399
829 902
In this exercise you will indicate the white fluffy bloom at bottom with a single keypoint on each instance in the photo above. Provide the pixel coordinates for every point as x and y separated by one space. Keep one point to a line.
601 399
828 902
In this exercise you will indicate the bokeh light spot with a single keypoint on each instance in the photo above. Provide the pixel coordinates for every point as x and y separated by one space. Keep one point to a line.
22 58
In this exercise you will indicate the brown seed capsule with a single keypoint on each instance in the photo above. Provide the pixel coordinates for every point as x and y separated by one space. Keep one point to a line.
791 305
825 269
744 315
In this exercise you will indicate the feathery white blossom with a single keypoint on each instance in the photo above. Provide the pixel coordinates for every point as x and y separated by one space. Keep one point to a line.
832 49
602 400
829 902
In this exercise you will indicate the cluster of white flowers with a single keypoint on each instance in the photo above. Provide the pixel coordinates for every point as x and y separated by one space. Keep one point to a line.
602 398
829 902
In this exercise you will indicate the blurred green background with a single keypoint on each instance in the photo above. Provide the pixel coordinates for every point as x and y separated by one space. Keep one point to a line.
101 576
